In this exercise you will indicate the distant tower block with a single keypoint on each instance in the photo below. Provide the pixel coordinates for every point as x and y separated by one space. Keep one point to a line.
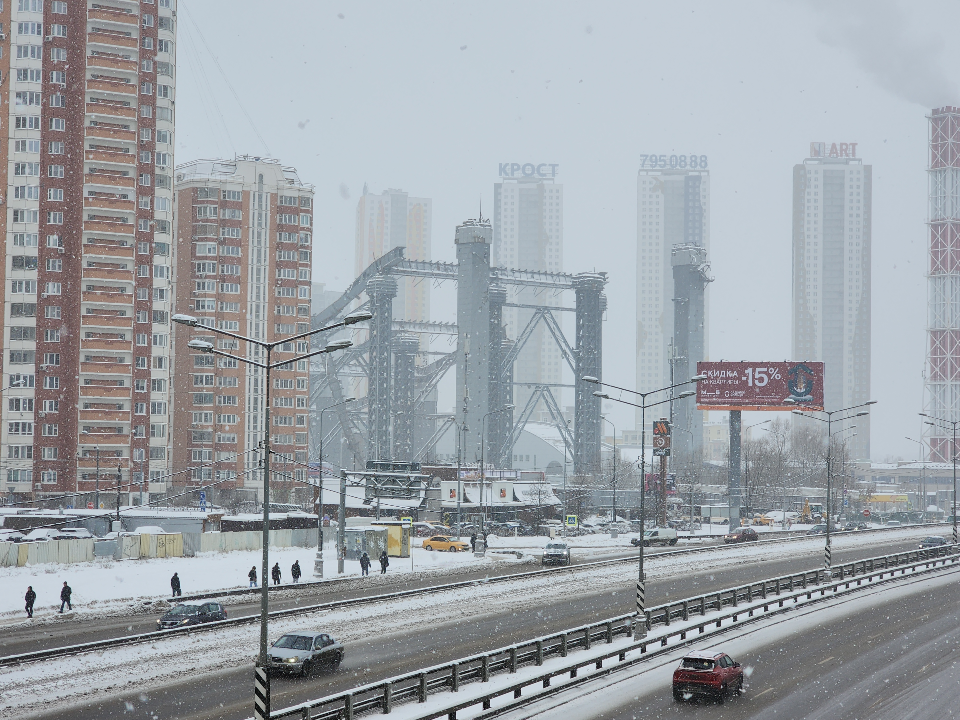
943 279
690 280
381 290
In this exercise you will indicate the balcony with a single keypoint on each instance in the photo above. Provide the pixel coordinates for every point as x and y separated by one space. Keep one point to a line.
102 439
106 298
88 344
107 274
104 391
118 87
108 464
108 203
101 156
102 227
109 14
107 321
105 368
102 36
110 179
111 110
107 132
120 416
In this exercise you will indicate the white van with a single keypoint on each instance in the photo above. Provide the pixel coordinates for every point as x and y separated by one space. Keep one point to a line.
657 536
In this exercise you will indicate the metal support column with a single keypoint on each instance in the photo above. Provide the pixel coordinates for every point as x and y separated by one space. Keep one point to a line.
734 486
591 304
405 347
381 290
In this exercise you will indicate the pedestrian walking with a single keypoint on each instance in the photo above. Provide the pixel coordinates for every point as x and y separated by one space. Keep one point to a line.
364 564
30 598
253 576
473 542
275 573
65 594
295 571
384 562
175 585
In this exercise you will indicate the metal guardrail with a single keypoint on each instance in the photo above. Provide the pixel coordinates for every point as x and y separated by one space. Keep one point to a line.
158 634
418 685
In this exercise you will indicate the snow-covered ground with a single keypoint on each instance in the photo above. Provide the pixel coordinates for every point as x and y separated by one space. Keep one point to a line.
69 680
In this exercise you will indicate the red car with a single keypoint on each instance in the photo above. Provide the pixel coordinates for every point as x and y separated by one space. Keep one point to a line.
741 534
714 674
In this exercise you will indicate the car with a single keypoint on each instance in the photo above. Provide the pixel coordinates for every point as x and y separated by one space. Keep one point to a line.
656 536
12 536
303 651
741 534
933 541
183 614
74 534
442 542
707 673
556 553
892 523
817 530
855 526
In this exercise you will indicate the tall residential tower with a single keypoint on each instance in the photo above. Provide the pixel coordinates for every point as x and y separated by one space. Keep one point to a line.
832 191
244 258
88 109
673 209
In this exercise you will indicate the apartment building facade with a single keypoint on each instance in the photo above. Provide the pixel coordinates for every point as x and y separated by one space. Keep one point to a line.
243 265
88 99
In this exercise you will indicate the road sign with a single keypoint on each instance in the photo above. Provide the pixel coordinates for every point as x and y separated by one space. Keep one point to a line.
571 520
203 500
406 519
866 513
89 506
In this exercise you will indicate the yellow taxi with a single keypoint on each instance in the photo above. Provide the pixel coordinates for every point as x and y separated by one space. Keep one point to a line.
442 542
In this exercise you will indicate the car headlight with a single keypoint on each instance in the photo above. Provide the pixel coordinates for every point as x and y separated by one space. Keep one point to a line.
292 660
185 622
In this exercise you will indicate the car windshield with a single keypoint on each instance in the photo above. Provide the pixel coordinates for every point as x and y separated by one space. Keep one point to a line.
294 642
697 664
934 539
556 546
185 610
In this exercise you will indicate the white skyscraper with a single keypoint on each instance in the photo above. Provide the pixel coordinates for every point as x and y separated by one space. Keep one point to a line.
528 235
831 277
673 208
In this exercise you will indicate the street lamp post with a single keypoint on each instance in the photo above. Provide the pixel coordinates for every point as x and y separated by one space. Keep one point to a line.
923 487
952 423
640 629
318 499
827 559
262 684
606 419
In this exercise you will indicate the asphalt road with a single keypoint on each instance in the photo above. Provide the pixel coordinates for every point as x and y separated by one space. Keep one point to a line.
893 658
228 694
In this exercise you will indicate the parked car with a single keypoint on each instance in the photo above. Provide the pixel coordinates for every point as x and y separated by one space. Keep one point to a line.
303 651
73 534
41 535
557 553
817 530
423 529
741 534
892 523
192 615
714 674
12 536
657 536
442 542
855 526
933 541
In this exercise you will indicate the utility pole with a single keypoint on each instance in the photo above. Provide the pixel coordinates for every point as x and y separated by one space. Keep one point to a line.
119 477
96 498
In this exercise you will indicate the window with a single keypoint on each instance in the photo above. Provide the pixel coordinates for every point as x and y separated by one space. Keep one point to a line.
158 408
29 52
25 216
23 332
51 429
159 294
145 179
53 241
49 453
30 28
230 288
55 218
141 363
51 336
25 239
163 159
56 54
22 357
158 386
51 382
20 452
58 77
230 232
55 195
52 288
59 7
55 171
231 250
24 476
23 286
58 124
161 271
286 273
159 340
58 100
25 98
24 262
163 137
142 338
164 91
147 20
233 195
27 122
148 43
52 311
57 30
158 430
143 316
159 362
165 46
20 428
51 359
146 156
27 169
146 111
226 399
163 204
305 220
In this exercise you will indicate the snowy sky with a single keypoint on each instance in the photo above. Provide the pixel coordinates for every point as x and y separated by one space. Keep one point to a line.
430 97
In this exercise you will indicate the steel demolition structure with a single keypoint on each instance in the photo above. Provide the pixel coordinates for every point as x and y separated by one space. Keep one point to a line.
399 418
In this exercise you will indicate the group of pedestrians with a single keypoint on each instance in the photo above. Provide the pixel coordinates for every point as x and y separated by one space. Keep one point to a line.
295 573
31 597
365 563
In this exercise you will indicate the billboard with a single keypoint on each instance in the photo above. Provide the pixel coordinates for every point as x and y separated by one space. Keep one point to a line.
760 386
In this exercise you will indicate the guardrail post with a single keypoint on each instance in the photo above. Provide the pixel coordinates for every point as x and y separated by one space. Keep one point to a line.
686 610
763 590
666 615
513 659
485 669
586 639
348 707
703 605
305 713
539 652
563 645
455 677
609 633
648 619
734 598
778 586
804 581
791 584
422 689
387 697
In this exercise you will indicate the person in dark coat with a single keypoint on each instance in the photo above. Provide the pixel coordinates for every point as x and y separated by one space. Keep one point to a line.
175 585
253 576
275 573
364 564
30 598
473 542
384 561
295 571
65 594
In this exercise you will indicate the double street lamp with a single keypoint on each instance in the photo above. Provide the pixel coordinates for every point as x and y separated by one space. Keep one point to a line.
953 424
640 630
827 560
262 689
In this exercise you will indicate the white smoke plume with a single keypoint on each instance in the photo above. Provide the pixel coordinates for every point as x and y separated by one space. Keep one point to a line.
884 43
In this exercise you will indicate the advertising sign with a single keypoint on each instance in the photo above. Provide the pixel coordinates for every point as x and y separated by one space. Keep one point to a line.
661 438
502 491
449 490
781 386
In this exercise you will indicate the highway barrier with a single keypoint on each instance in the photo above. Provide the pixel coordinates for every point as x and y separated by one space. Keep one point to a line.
731 606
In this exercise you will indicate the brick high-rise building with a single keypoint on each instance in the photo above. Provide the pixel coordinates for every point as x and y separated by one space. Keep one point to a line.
87 107
244 252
